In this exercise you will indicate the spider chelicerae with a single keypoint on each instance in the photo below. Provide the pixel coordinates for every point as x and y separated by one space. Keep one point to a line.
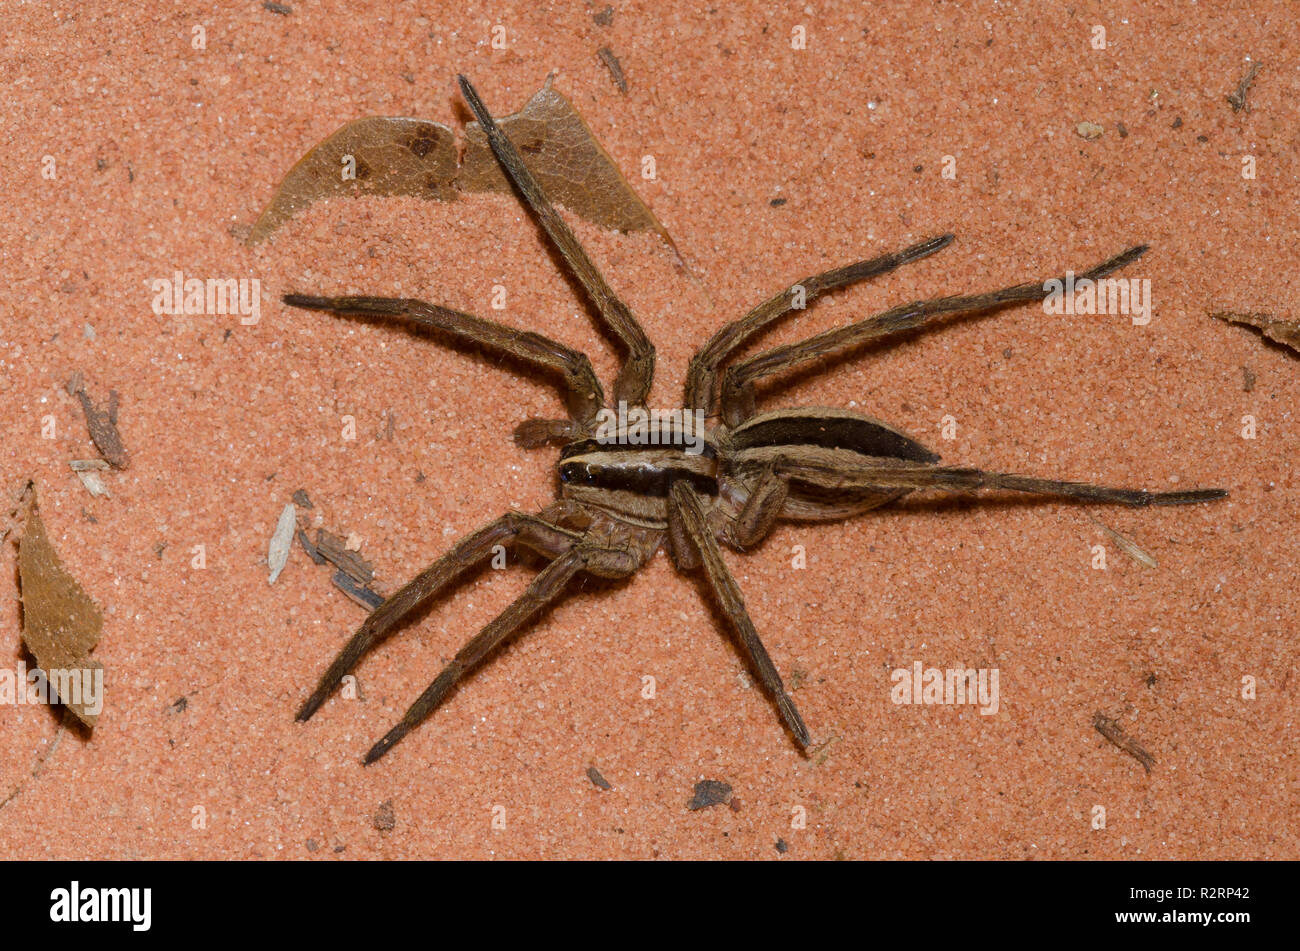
626 491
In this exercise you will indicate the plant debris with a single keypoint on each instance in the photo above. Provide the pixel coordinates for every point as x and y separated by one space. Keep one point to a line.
1237 99
1128 546
365 596
101 423
597 780
385 820
400 155
300 498
277 553
334 549
615 68
709 792
87 471
1285 332
354 576
1112 731
61 623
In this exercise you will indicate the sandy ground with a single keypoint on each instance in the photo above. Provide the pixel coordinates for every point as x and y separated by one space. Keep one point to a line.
164 154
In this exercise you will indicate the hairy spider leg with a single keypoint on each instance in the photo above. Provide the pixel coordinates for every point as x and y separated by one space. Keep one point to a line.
964 479
545 589
513 528
702 375
738 394
687 510
632 385
580 387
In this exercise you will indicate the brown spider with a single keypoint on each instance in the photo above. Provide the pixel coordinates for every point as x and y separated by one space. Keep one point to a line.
628 489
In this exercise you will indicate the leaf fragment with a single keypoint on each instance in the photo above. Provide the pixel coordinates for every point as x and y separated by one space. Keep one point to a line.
1285 332
102 424
615 68
401 155
61 622
709 792
1128 546
1237 98
277 554
87 471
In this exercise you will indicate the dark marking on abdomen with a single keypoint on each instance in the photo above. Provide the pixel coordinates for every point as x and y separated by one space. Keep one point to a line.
831 431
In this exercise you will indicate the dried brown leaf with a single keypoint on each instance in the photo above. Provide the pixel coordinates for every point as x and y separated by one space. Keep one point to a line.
391 155
61 623
1282 331
406 156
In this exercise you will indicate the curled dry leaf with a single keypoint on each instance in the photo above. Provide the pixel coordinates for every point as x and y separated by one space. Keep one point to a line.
397 155
1282 331
61 623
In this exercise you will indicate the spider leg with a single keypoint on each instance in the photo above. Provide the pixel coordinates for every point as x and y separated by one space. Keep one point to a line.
760 511
546 588
702 375
738 382
971 480
475 548
690 511
581 388
633 383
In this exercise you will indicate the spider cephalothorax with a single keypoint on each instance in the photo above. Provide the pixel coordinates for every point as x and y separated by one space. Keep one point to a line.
629 488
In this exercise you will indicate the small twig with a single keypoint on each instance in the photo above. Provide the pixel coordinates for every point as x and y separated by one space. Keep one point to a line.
1238 99
1112 731
615 68
39 766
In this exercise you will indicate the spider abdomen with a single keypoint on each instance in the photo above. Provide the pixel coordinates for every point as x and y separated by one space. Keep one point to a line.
811 448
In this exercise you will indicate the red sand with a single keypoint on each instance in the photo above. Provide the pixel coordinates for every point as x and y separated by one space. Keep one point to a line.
164 155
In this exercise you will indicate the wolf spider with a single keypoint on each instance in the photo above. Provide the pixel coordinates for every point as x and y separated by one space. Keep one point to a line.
621 500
